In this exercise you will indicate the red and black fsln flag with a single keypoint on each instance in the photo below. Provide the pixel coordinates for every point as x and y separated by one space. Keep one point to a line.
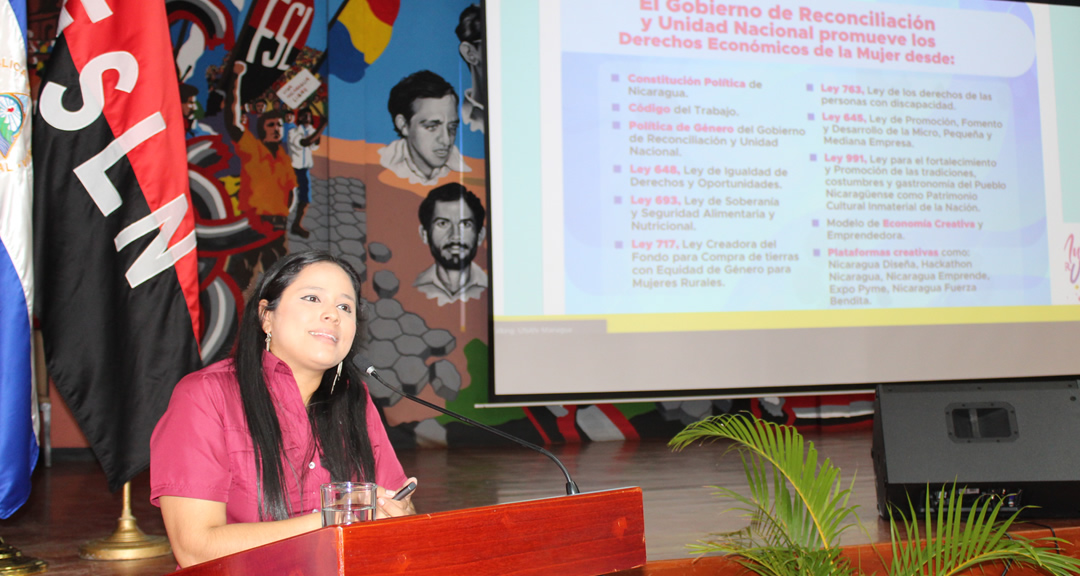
114 232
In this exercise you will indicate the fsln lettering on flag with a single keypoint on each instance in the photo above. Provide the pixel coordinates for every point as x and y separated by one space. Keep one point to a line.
114 226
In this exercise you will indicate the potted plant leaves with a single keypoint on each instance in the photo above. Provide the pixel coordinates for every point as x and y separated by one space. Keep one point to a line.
798 508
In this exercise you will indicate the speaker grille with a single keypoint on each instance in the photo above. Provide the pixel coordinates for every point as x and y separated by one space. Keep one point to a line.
982 422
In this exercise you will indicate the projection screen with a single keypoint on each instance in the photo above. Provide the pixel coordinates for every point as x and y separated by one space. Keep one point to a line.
695 198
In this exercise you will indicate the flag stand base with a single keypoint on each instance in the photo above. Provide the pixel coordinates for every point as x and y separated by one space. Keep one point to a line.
127 542
13 563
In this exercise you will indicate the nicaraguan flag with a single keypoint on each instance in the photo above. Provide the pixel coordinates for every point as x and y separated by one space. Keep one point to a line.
18 443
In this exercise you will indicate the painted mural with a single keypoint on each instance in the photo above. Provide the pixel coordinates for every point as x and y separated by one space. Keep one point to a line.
357 126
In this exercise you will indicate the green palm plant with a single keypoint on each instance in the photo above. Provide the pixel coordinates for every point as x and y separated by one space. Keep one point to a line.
798 508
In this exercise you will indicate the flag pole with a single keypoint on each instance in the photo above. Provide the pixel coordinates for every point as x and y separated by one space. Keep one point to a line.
13 563
127 542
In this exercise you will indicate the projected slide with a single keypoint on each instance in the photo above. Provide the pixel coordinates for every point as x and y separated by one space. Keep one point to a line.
744 182
733 185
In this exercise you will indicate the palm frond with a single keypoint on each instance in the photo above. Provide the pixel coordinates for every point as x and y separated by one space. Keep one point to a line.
955 541
803 498
798 508
771 561
764 529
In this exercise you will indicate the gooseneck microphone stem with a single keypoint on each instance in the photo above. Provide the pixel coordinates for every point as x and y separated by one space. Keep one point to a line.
571 487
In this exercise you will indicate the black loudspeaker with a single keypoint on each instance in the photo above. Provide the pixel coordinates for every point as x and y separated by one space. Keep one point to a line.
1019 441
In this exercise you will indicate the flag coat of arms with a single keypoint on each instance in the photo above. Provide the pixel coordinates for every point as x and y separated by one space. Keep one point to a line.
114 239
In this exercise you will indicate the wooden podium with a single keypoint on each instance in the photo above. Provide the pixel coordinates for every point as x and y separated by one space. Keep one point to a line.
584 534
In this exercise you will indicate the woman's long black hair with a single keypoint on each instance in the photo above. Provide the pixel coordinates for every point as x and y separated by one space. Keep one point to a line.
338 420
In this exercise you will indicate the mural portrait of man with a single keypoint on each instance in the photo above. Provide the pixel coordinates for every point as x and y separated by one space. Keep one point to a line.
424 109
470 31
189 107
452 225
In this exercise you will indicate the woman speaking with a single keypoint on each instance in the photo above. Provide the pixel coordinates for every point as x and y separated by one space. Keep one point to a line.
238 457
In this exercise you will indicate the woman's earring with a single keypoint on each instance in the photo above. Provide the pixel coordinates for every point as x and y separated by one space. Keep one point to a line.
336 376
267 341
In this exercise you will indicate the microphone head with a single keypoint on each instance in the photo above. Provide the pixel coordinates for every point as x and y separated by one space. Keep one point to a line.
364 364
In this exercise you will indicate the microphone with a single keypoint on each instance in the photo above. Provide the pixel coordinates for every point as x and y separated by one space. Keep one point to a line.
369 369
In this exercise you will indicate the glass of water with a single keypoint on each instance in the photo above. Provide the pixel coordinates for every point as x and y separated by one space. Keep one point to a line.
347 502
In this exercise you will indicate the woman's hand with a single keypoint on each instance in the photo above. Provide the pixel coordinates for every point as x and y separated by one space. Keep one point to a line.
387 507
